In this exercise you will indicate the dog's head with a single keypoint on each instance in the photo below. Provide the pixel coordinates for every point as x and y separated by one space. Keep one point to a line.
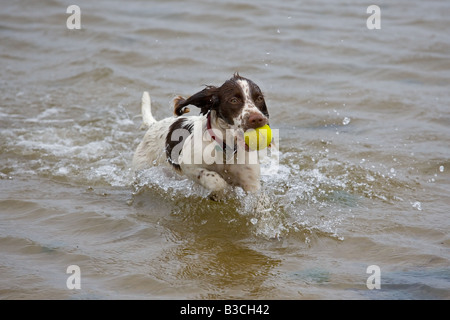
239 103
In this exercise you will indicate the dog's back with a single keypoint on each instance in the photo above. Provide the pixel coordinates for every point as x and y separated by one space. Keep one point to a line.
157 144
151 150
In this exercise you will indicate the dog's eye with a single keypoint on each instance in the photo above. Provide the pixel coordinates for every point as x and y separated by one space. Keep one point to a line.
234 100
260 99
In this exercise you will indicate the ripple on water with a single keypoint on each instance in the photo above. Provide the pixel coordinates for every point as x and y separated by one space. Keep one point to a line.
308 197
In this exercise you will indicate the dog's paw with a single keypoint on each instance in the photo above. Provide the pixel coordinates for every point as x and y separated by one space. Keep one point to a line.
212 180
251 187
216 196
221 195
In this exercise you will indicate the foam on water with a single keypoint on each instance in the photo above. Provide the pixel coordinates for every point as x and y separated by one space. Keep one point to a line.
93 150
296 201
304 193
364 124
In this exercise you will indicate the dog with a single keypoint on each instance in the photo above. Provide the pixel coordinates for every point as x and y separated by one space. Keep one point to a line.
210 148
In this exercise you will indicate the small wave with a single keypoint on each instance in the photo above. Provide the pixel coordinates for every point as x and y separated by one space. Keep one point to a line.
92 75
94 149
269 214
310 194
308 197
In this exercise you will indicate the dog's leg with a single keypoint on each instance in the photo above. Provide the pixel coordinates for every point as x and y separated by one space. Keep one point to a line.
246 176
210 180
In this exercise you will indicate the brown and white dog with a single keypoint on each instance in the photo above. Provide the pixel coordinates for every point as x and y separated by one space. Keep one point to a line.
209 148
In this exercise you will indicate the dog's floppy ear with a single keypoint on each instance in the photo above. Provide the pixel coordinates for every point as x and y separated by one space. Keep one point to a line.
206 100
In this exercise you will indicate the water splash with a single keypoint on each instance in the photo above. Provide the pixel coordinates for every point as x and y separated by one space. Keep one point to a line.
305 203
307 193
346 121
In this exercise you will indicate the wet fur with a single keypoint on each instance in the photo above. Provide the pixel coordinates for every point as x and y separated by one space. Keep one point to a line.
238 104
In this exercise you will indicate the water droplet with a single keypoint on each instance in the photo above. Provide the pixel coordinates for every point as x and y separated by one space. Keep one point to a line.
417 205
346 121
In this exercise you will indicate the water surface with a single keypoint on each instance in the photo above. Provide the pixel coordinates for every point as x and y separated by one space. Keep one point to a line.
363 178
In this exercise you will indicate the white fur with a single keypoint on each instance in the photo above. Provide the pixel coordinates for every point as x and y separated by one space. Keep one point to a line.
214 175
249 106
146 109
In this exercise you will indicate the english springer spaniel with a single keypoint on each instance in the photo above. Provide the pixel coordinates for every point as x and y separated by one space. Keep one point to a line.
210 148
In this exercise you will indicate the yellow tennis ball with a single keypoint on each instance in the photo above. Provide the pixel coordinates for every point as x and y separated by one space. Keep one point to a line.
259 138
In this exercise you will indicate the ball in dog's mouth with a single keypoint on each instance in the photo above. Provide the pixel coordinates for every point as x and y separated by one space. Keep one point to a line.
259 138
